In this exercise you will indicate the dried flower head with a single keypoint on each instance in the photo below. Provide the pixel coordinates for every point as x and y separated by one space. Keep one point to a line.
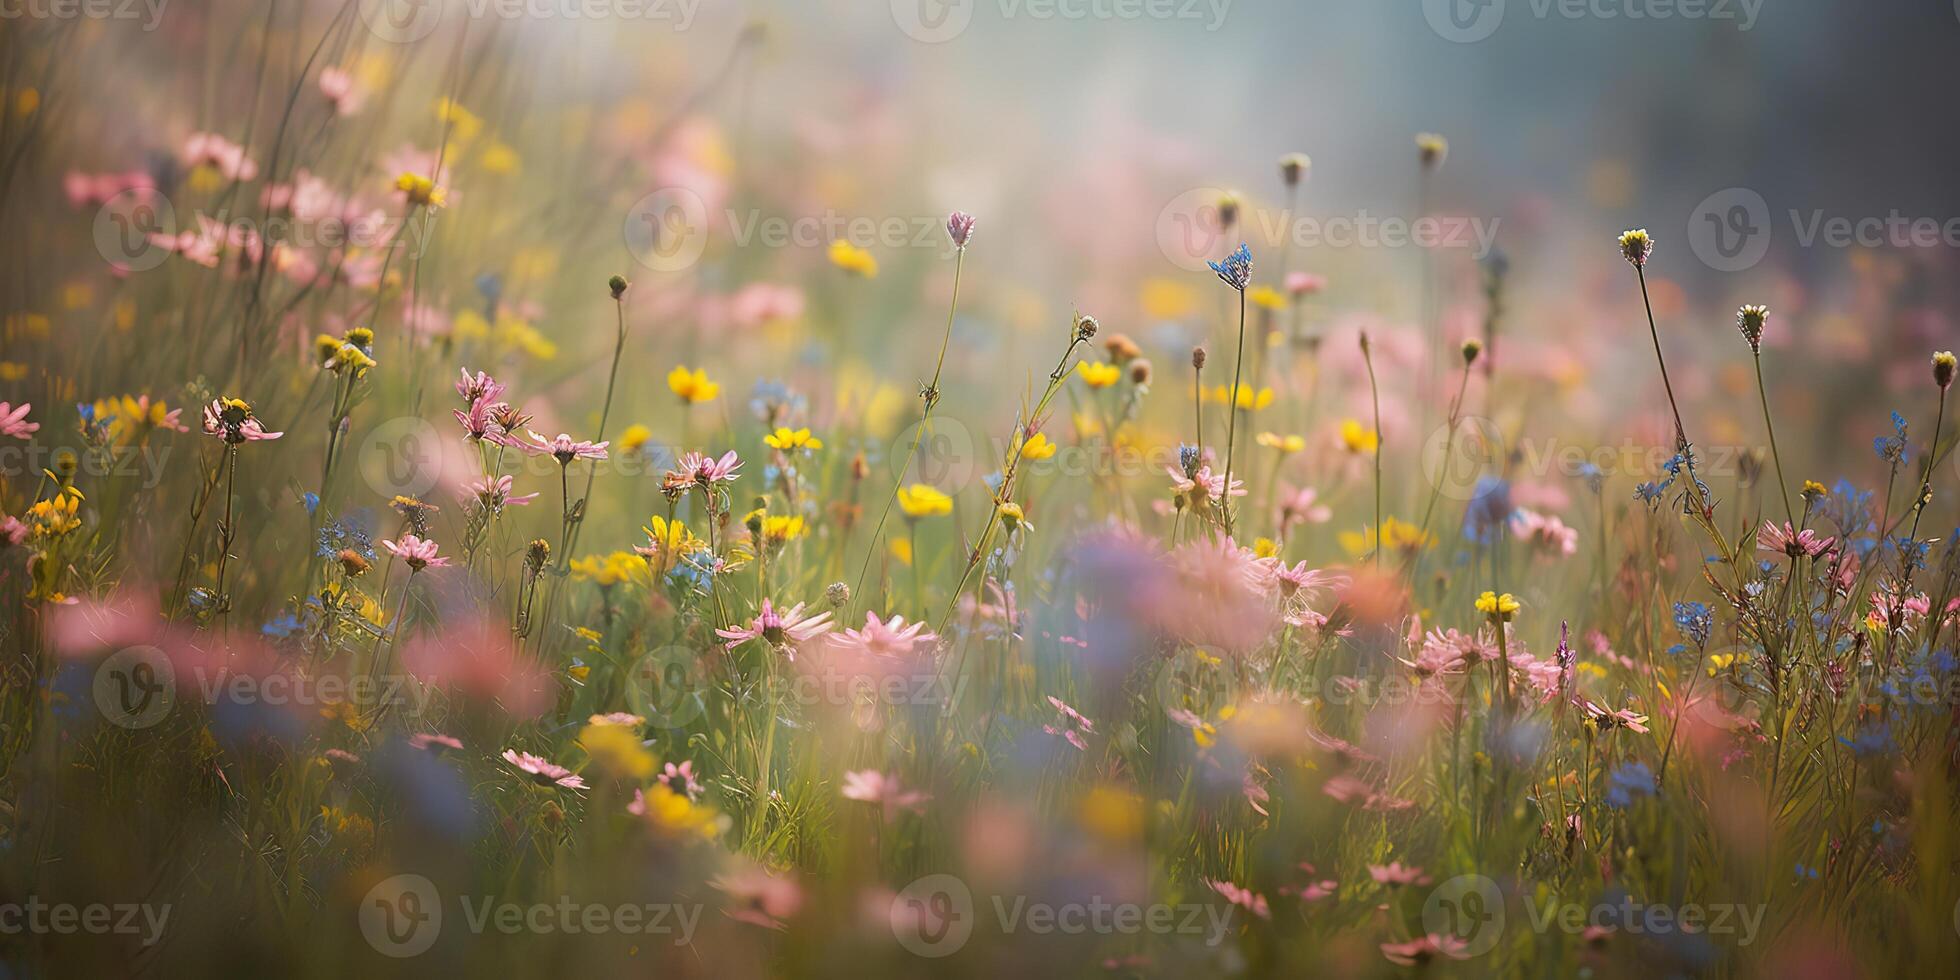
618 286
1472 349
1943 364
1086 327
1637 246
1293 168
960 226
1432 150
1750 320
1198 358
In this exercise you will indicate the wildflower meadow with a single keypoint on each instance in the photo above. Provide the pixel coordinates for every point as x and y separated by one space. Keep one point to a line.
1057 489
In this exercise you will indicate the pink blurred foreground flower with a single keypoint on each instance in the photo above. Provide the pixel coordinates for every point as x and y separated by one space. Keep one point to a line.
877 788
1244 898
13 421
542 771
1417 952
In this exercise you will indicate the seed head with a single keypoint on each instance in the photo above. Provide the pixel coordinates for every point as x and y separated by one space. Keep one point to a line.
1943 364
1472 349
837 594
1750 320
1086 327
618 286
1198 358
1293 168
1637 246
1432 150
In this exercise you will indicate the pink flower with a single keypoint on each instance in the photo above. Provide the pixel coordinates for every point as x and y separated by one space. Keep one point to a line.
419 554
542 771
494 493
231 420
623 719
341 91
1245 898
704 471
960 226
759 898
785 629
480 387
13 421
12 531
760 303
218 153
1071 725
1417 952
1302 283
1213 483
1300 506
872 786
1395 873
1546 534
886 640
562 448
1774 538
433 742
680 779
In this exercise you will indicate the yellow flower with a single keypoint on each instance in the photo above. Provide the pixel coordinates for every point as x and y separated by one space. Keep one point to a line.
671 815
693 387
1167 299
1013 517
499 158
667 541
129 417
851 258
1037 447
1248 400
420 190
1265 548
609 570
1285 444
1098 375
57 515
902 550
1397 535
1359 439
1111 813
617 750
463 124
779 529
1496 606
1266 298
790 440
920 500
635 437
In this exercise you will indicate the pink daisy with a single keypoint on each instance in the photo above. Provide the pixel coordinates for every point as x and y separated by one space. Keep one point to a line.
1245 898
872 786
542 771
418 553
13 421
1071 725
562 447
1417 952
785 628
1776 538
231 420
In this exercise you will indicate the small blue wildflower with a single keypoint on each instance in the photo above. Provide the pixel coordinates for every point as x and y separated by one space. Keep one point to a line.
312 501
1236 270
1490 510
1188 458
1595 479
347 533
1695 621
1892 448
1806 871
281 627
1629 781
1874 739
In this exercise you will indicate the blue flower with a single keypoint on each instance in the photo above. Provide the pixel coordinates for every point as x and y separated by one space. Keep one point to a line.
285 625
1695 621
348 533
1892 448
1489 511
1630 780
1590 472
1236 270
1875 739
